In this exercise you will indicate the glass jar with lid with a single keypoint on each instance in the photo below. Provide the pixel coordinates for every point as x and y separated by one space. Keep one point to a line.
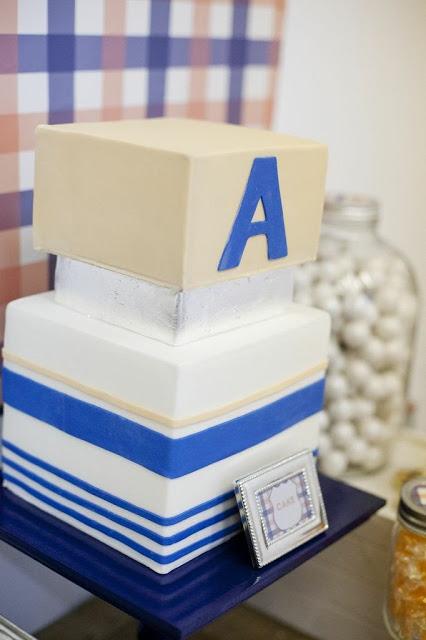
368 288
405 606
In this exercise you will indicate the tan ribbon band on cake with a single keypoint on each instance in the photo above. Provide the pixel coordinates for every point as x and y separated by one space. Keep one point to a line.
158 417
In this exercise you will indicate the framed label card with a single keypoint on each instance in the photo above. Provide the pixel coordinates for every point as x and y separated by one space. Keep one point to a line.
281 507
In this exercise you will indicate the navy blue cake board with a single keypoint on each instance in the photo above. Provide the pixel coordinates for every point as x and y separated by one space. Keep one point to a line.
176 605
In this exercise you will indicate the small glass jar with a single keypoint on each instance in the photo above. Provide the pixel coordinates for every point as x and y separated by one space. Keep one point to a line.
405 606
369 290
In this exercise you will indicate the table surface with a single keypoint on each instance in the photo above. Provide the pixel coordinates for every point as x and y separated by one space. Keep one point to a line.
175 605
408 454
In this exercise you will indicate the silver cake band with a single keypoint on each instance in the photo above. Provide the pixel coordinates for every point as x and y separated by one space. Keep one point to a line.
171 315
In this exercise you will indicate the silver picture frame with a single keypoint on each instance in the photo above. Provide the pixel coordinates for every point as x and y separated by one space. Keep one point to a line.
281 507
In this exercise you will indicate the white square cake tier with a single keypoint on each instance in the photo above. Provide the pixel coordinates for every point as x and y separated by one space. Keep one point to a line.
138 443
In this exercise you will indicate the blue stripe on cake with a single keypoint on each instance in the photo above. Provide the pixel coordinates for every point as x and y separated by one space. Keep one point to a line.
114 500
171 458
110 515
116 535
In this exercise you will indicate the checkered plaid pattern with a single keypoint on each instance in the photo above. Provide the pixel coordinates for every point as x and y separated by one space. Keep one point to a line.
86 60
273 532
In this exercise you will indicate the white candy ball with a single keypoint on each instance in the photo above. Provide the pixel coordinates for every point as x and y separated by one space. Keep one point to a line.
349 285
362 408
336 386
373 429
323 421
322 292
334 463
397 283
375 279
342 433
387 300
358 371
355 333
374 458
341 410
375 387
328 271
329 248
374 351
377 263
344 264
331 305
388 327
396 352
324 444
393 384
357 451
360 307
337 359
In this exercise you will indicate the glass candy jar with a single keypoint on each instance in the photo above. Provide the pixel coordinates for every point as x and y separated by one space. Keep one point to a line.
369 290
405 607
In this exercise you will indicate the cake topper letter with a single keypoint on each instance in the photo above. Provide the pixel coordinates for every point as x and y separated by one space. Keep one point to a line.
262 185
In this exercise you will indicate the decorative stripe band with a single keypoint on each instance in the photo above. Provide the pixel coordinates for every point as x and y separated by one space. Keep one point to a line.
78 501
112 499
120 537
152 415
171 458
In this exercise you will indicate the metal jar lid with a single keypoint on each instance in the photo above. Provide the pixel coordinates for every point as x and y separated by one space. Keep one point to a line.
346 207
412 504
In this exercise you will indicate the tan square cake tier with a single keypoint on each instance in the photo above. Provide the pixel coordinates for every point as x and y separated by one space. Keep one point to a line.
178 202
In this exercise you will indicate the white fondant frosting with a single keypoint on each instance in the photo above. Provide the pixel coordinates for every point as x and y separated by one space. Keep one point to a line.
106 516
49 344
172 385
166 430
125 506
127 548
137 486
129 481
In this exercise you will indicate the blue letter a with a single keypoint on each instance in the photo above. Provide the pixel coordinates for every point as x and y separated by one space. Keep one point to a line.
262 185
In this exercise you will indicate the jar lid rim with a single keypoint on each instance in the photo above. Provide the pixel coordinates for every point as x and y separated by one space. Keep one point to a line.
412 504
350 207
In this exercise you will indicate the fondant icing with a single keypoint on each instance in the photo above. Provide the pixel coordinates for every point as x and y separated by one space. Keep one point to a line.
29 472
97 186
169 457
180 386
110 473
170 360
